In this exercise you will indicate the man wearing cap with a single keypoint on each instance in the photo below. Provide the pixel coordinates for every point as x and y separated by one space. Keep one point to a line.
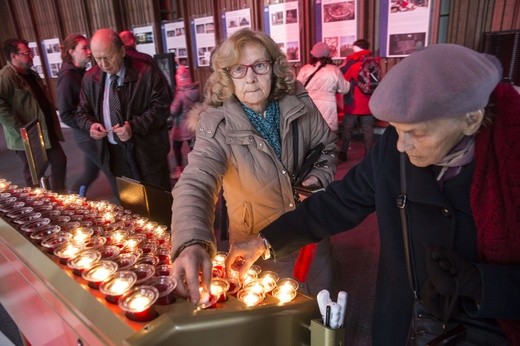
454 156
323 79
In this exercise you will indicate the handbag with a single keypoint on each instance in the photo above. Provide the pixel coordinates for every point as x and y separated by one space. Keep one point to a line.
425 328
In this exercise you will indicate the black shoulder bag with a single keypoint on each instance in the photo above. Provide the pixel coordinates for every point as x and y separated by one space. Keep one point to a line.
312 75
426 329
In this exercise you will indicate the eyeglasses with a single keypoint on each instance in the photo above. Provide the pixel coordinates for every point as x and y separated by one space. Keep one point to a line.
28 53
239 71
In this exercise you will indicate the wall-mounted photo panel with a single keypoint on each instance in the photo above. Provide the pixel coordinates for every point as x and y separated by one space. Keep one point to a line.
235 20
174 38
282 24
204 37
405 26
51 49
144 39
37 60
336 23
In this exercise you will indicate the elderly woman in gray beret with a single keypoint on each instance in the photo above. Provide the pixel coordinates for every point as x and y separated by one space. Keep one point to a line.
444 180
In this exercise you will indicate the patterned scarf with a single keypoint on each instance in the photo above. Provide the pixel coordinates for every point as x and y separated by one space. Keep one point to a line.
268 126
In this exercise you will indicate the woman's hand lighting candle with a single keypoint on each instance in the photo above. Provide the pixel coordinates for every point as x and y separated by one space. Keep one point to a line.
99 272
138 303
117 284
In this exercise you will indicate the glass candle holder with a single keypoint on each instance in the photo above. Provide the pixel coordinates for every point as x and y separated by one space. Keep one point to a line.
19 212
96 242
138 303
67 250
99 272
143 272
207 300
149 246
34 225
126 260
220 259
53 241
269 280
164 255
165 285
256 286
116 236
83 261
117 284
219 288
10 207
81 234
234 285
109 251
44 232
288 284
162 270
148 259
132 242
25 218
250 298
286 290
149 228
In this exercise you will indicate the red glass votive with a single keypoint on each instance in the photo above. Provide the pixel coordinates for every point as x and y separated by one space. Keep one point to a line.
99 272
25 218
148 259
218 271
138 303
126 260
148 246
162 270
143 272
117 284
234 285
166 286
19 212
95 242
164 255
109 251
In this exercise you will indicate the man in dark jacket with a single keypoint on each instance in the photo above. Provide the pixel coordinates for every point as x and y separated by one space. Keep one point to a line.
459 161
128 39
124 103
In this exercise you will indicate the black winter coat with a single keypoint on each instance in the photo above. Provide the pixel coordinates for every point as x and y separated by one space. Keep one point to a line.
434 217
145 101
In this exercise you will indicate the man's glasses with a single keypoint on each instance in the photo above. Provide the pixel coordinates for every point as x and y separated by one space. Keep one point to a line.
28 53
239 71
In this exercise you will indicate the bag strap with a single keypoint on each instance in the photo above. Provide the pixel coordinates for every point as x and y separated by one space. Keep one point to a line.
312 75
294 126
401 203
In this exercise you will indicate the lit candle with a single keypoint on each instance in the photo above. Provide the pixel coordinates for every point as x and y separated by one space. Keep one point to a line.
117 284
138 303
288 284
132 242
269 280
83 260
220 258
285 294
67 250
82 234
256 286
118 236
219 288
250 298
99 272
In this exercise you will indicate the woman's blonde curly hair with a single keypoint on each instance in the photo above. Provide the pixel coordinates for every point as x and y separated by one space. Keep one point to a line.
219 87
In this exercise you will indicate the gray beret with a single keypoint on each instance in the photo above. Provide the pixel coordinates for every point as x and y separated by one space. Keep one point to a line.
439 81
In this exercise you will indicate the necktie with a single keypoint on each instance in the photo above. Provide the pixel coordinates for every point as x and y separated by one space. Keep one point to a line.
113 101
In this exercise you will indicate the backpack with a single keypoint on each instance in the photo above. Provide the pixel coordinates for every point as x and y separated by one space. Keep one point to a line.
369 75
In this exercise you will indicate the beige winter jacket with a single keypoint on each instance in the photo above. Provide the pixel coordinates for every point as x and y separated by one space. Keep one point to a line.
230 153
